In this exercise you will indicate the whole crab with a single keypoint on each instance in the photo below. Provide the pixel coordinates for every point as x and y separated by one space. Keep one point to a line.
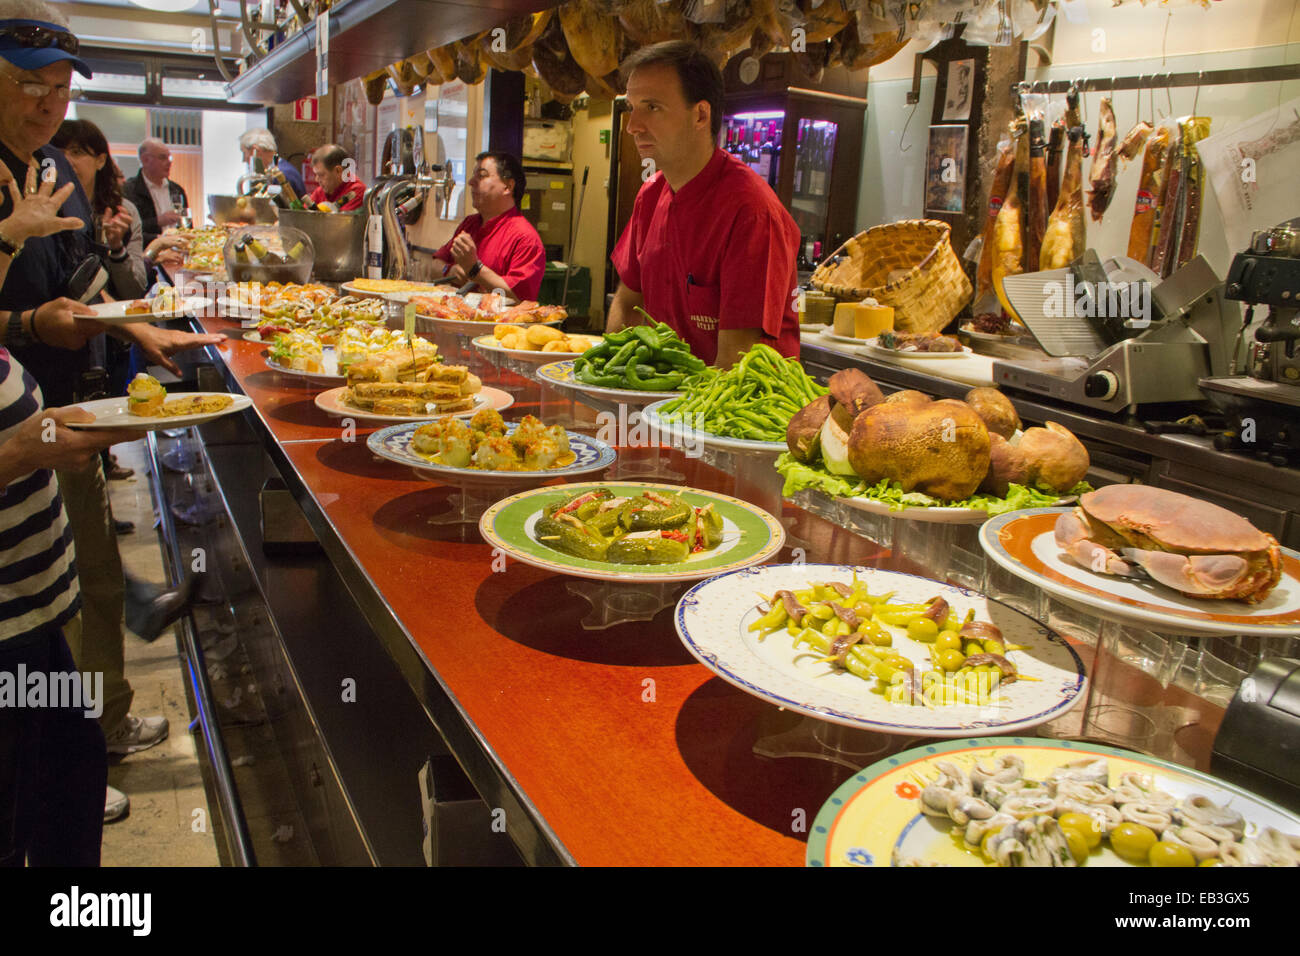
1195 547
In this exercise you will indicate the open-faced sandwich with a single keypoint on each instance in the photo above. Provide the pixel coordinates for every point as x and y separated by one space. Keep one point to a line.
145 396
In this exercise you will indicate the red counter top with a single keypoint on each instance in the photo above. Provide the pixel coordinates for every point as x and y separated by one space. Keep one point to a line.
630 751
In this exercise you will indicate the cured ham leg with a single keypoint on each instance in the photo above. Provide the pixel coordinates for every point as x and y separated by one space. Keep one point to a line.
1150 188
1066 235
1102 176
997 195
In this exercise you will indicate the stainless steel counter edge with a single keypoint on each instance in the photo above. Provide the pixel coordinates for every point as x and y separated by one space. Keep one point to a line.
538 845
1194 451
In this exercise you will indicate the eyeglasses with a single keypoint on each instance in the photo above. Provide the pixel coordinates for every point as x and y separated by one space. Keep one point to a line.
30 35
38 91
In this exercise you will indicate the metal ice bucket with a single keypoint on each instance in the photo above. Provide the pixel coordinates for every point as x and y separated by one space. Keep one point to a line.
339 240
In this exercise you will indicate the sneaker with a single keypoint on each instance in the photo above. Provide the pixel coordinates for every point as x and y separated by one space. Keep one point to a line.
136 734
116 805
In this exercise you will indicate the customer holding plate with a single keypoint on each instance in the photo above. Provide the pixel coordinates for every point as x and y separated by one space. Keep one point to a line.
497 248
709 249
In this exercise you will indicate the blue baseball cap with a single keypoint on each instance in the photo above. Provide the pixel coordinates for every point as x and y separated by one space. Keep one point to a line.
23 44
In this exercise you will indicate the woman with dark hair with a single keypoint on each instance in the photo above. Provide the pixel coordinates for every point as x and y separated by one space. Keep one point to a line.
118 225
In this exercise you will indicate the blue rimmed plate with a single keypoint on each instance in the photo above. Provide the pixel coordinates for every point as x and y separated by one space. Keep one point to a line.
713 621
394 444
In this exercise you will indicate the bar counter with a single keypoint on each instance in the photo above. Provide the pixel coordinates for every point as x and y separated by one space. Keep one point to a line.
602 747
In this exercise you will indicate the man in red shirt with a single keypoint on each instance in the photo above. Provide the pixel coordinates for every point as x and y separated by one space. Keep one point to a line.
497 248
336 175
709 249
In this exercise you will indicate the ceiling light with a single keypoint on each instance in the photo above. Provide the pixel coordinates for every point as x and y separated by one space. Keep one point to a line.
165 6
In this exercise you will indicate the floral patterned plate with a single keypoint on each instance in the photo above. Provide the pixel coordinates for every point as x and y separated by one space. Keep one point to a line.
874 818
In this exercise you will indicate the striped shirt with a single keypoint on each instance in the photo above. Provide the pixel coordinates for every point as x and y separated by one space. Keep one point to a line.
38 574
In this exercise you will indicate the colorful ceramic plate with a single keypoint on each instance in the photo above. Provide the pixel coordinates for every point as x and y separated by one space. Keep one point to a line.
489 343
686 437
713 621
872 348
1023 543
114 313
331 403
874 818
112 413
394 443
560 374
749 535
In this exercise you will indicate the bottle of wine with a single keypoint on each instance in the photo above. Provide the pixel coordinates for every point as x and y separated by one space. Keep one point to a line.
799 148
763 136
774 152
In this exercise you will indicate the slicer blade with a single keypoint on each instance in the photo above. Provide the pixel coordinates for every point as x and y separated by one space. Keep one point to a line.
1037 301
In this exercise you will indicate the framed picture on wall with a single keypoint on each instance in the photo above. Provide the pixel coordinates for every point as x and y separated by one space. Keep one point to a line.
945 170
959 90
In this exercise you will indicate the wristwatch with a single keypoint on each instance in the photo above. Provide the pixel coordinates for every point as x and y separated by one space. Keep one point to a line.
474 270
17 337
8 248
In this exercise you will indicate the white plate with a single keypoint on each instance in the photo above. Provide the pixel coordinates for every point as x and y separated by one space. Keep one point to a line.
713 621
351 289
560 374
869 347
114 313
329 363
829 334
1023 543
488 343
112 413
331 403
935 515
689 436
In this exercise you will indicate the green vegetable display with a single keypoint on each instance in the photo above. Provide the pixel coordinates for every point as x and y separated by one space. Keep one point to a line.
754 399
643 358
657 527
799 476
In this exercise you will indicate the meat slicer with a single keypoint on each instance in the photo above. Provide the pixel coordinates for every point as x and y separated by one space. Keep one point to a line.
1115 336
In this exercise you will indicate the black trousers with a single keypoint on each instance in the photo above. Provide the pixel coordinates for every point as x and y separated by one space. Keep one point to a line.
53 767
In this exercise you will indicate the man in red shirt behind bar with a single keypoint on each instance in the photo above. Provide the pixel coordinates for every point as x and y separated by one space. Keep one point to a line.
709 249
336 175
497 248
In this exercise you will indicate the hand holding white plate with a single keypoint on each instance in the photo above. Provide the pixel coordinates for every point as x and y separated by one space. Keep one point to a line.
114 413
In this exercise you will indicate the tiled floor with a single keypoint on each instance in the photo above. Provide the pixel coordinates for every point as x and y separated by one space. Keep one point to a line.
170 823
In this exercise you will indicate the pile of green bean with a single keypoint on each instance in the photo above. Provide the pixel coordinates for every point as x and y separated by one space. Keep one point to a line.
643 358
754 399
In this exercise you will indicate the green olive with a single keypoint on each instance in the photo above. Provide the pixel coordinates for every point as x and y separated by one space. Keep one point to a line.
880 637
1077 843
1132 841
947 641
950 660
922 629
972 648
1089 828
1170 854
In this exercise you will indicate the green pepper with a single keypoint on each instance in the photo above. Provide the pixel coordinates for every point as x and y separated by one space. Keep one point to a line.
648 336
622 356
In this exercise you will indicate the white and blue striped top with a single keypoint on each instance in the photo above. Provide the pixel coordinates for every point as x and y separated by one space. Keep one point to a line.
38 573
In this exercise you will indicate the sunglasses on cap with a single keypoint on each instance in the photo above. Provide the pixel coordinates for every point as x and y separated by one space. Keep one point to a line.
37 37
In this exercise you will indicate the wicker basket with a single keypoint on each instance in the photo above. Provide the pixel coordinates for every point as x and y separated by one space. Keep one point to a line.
909 265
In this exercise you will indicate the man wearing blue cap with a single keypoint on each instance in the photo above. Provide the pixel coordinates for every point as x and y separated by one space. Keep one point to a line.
38 54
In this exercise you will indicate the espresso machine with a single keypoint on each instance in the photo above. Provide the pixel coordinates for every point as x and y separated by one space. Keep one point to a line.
1261 396
406 184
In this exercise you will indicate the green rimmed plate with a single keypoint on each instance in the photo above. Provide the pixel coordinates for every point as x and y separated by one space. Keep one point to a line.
749 535
874 818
